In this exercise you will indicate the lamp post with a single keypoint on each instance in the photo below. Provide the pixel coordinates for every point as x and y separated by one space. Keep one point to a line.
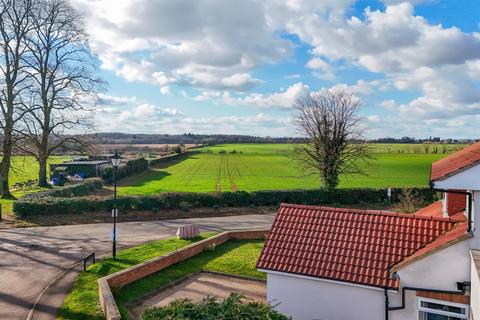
115 163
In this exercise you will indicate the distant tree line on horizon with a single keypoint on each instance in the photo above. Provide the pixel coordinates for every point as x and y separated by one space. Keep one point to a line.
213 139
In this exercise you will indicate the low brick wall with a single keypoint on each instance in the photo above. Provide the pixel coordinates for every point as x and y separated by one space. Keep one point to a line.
139 271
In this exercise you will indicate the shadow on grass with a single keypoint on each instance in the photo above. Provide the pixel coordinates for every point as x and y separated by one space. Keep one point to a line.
140 181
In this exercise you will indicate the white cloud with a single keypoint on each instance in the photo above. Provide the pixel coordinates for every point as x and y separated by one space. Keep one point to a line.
322 69
283 100
165 90
386 41
183 43
206 44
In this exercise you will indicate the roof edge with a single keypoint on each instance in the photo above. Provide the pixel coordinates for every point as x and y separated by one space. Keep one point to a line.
373 212
330 279
453 173
406 262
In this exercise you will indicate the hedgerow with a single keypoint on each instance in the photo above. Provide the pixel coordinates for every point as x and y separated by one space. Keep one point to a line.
53 205
79 189
131 167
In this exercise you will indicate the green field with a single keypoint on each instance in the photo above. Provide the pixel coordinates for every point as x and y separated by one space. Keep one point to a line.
251 167
24 168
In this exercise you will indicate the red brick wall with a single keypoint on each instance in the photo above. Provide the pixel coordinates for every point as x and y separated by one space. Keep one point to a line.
139 271
456 203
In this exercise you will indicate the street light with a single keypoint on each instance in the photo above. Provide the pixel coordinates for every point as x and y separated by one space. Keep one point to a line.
115 163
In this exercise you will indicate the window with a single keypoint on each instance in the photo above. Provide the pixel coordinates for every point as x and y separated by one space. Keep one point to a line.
431 309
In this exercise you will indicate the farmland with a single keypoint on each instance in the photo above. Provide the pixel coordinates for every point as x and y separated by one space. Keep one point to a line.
251 167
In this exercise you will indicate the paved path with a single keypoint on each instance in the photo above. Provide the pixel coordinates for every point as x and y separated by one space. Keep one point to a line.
31 258
202 285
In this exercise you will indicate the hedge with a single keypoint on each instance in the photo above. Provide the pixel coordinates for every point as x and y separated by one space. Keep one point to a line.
78 189
52 205
131 167
171 158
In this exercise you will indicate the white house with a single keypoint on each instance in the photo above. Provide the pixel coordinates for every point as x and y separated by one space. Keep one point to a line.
340 264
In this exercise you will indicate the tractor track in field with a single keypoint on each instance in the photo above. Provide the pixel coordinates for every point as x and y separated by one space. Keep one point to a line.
218 182
233 186
195 172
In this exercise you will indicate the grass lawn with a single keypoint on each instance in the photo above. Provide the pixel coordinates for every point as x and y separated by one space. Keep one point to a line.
234 257
251 167
25 168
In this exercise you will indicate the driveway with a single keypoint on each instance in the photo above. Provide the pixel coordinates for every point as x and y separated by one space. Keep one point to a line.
31 258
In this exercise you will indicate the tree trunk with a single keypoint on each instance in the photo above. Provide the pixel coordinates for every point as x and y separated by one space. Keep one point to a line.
6 160
42 171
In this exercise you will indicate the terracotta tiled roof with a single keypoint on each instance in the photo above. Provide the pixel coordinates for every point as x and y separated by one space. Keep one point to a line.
432 210
450 237
349 245
455 162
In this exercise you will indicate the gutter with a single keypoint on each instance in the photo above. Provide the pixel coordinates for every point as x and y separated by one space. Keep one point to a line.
462 289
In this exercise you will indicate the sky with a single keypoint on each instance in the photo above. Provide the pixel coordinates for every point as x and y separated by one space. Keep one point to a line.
237 67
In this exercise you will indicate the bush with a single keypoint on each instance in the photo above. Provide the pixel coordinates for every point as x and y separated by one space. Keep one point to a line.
234 307
53 205
131 167
171 158
78 189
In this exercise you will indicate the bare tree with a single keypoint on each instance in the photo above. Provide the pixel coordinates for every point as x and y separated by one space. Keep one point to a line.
330 122
64 85
15 24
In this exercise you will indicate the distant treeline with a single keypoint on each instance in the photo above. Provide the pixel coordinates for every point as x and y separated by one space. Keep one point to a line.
411 140
187 138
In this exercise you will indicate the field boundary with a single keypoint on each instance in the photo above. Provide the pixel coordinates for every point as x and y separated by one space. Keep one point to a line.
124 277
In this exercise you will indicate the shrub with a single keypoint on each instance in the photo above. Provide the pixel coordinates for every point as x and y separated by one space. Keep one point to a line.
77 189
234 307
171 158
54 205
409 200
131 167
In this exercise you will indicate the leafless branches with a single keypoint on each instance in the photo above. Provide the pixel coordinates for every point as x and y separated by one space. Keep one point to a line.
48 81
330 121
15 24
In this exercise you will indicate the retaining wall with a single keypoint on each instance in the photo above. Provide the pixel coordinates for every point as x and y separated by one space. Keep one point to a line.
139 271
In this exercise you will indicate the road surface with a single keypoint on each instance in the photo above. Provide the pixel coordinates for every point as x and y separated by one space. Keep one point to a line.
31 258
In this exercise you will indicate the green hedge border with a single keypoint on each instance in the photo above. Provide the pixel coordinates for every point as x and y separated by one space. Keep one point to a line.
82 188
52 205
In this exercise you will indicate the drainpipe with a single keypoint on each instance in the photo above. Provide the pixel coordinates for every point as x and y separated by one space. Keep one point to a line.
462 286
470 203
462 289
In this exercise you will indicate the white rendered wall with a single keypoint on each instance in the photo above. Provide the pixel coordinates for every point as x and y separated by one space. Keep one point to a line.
476 219
441 270
475 293
468 179
307 299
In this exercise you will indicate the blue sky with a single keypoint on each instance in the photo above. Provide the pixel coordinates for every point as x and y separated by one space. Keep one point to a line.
236 67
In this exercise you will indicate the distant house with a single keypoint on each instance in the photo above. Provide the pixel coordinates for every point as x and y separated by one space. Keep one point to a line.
83 168
334 263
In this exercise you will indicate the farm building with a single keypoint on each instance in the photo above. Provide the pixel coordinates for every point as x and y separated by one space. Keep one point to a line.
335 263
83 168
